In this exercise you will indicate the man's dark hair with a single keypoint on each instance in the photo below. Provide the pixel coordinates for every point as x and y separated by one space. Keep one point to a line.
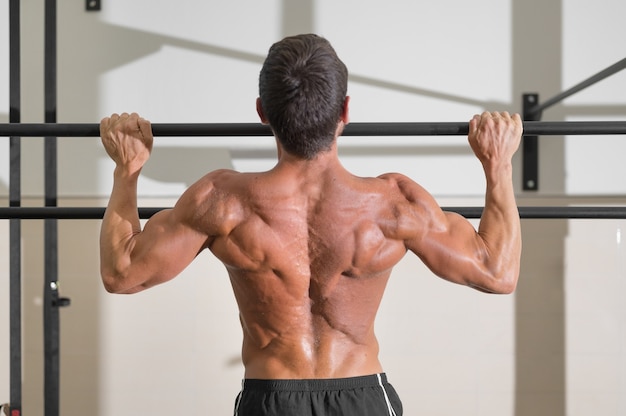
303 86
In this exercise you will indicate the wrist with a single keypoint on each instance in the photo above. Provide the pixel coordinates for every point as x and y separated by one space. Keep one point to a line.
126 172
498 171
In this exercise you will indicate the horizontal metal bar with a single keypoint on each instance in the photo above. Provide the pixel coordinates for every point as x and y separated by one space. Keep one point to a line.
618 66
543 212
531 128
65 213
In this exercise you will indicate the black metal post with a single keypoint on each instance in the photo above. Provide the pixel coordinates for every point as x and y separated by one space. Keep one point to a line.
15 229
51 286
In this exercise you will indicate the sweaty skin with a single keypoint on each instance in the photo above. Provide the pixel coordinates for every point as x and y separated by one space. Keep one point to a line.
308 246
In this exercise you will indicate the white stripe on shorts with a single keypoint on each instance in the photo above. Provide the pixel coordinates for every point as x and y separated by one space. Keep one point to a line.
389 408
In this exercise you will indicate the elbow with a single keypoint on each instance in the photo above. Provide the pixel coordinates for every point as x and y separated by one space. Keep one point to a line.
511 279
114 283
506 284
111 284
501 284
501 278
508 287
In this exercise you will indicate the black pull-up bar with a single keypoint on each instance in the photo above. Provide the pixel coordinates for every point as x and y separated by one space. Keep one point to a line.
531 128
541 212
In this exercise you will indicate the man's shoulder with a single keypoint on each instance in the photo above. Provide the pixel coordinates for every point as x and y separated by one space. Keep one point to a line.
397 180
214 203
214 187
393 177
220 179
406 187
222 174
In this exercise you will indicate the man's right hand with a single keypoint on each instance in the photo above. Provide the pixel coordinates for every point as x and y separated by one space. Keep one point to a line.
495 137
127 139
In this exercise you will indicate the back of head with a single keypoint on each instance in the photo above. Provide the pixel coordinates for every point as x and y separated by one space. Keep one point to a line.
303 86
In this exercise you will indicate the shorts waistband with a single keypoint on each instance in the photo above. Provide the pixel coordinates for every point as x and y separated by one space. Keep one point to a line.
322 384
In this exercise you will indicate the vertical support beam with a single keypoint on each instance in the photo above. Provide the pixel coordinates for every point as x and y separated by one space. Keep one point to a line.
540 366
15 229
50 289
530 146
297 17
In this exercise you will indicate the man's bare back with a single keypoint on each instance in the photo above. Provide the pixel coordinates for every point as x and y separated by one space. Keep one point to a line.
308 257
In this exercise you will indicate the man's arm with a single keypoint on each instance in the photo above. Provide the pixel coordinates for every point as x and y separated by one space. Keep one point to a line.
132 259
487 259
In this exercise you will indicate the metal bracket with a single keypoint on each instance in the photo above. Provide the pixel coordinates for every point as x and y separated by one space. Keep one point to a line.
530 145
92 5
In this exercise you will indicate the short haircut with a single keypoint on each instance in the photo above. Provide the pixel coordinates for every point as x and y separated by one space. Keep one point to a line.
302 87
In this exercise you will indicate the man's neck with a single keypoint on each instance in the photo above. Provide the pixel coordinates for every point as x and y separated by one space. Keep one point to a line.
323 161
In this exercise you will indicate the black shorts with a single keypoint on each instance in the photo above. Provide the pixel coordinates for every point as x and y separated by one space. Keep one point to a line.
358 396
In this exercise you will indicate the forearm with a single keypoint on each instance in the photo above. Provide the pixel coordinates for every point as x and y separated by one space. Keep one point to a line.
500 230
119 226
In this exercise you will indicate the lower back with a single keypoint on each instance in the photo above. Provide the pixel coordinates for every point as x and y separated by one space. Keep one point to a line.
304 357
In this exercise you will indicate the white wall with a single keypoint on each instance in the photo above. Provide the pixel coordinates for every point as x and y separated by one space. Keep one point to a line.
596 318
447 349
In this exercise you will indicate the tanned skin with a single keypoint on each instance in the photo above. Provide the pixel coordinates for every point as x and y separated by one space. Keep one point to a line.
309 247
